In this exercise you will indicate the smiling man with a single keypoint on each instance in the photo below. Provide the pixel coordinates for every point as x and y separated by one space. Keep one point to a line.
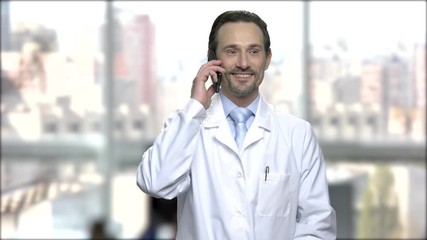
239 168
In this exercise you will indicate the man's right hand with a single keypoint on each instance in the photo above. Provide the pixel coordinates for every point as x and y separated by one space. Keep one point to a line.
198 89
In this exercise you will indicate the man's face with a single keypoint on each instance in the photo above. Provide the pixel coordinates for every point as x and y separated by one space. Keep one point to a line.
241 50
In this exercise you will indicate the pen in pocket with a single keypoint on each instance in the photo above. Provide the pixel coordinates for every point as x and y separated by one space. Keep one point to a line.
267 170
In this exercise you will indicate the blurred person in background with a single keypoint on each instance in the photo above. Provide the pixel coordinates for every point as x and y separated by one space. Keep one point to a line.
270 186
98 230
162 223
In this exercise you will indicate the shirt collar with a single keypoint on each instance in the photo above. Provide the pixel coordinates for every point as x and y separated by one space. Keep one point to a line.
228 105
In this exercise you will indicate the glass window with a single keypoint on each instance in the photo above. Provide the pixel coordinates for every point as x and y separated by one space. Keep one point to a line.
367 71
164 44
54 64
367 81
73 135
52 117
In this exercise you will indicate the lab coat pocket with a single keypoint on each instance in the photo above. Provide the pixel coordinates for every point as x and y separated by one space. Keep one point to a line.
275 195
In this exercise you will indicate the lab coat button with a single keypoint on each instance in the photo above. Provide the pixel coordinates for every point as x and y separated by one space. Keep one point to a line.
239 175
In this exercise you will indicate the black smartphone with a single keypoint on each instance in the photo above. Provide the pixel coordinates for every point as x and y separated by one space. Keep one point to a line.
217 85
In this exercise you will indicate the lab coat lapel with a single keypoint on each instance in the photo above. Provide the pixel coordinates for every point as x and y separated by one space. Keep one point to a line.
216 119
261 123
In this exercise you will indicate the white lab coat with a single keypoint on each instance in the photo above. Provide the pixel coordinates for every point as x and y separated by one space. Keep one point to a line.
222 192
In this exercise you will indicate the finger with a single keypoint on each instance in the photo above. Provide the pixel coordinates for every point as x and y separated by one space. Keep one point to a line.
214 62
209 70
202 76
214 76
215 65
211 91
218 68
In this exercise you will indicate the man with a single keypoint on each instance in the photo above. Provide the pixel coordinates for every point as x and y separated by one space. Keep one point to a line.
270 186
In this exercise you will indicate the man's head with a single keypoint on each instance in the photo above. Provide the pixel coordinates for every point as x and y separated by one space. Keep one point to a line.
241 41
234 17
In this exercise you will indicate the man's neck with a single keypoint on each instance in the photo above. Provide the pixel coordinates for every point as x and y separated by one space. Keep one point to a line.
242 101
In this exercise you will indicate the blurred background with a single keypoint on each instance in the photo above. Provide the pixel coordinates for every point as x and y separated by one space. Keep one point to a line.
86 86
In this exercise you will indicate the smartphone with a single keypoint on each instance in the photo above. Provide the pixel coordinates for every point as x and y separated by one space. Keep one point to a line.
217 85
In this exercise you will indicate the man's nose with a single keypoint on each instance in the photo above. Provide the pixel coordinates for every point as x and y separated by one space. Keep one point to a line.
243 62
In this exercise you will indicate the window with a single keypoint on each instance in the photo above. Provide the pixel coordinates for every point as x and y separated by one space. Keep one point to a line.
73 134
367 69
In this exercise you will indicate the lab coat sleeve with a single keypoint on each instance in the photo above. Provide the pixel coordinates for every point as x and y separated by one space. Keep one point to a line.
164 169
315 217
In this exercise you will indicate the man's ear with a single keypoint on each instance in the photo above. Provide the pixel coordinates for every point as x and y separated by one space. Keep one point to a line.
268 60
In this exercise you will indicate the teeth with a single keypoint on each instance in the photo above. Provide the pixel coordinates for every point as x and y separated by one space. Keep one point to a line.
243 75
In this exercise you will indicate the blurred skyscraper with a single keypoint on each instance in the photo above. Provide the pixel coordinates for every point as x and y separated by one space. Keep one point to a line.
5 26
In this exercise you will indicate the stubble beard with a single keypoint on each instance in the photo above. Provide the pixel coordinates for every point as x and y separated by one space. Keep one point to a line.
241 90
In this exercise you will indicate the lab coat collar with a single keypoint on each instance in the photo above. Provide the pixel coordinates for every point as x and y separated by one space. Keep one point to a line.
214 116
216 119
260 125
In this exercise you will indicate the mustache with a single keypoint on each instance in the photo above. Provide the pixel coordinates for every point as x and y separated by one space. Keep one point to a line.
239 70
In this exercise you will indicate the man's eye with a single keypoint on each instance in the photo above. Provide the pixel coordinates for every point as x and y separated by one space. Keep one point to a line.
256 51
231 52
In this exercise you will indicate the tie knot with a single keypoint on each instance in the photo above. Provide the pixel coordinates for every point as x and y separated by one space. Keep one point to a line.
240 115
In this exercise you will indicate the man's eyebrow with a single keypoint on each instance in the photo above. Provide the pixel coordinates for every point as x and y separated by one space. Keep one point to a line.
255 45
230 46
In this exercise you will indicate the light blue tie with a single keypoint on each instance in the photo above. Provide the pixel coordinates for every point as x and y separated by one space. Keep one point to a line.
239 116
